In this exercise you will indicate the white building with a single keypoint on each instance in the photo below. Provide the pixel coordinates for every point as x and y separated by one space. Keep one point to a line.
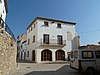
50 39
3 9
22 46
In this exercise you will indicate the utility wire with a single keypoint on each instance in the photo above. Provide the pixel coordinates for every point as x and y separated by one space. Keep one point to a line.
90 31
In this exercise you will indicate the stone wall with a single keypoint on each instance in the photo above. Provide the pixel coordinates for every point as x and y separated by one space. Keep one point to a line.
8 52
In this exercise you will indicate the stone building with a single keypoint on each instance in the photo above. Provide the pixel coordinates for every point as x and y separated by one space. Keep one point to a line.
8 48
50 40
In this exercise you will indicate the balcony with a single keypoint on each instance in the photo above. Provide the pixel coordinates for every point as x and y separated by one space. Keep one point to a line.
52 43
4 26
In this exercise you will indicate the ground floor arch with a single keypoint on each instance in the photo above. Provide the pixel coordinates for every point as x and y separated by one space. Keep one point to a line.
46 55
60 55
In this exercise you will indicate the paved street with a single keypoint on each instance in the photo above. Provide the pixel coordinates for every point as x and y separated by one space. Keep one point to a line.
44 69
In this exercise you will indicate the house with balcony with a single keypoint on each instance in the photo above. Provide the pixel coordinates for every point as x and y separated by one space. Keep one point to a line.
50 40
22 46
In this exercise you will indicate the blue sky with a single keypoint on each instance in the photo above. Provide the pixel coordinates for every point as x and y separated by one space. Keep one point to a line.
86 13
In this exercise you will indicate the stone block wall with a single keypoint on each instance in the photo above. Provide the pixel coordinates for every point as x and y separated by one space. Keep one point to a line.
8 51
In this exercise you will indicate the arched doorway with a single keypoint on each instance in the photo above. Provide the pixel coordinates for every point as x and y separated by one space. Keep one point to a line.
46 55
33 55
60 55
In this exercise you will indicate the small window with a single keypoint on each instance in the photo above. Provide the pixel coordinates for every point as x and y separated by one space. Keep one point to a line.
0 1
97 54
31 28
58 25
33 38
3 11
27 53
34 25
28 41
87 54
46 24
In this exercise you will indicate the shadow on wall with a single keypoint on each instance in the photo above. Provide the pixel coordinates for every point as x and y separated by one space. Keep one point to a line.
65 70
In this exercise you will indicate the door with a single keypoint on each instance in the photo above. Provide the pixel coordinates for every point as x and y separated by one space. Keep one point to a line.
46 38
74 59
46 55
59 39
24 55
33 55
60 55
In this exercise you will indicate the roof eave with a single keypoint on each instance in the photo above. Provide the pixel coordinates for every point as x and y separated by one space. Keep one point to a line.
72 23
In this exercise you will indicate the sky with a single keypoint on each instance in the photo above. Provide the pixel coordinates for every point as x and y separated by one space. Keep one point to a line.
86 13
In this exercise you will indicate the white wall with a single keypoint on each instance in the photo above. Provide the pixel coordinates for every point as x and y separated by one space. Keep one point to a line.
32 46
2 8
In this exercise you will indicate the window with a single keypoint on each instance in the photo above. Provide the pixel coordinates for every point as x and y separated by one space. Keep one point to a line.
28 41
59 39
3 11
58 25
27 53
97 54
46 24
34 25
0 1
87 54
46 38
31 28
33 38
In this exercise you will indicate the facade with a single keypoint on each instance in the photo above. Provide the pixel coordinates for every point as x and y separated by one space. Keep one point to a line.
50 40
22 46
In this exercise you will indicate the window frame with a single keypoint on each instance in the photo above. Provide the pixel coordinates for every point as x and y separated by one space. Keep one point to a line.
46 23
27 53
98 57
33 38
59 25
0 1
60 39
46 38
87 55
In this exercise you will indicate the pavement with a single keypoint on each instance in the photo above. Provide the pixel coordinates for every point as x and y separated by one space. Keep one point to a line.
45 68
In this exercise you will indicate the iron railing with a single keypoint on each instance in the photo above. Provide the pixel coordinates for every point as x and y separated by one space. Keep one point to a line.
6 28
52 42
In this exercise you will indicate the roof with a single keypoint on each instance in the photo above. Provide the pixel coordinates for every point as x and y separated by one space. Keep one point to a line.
90 47
6 6
41 18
